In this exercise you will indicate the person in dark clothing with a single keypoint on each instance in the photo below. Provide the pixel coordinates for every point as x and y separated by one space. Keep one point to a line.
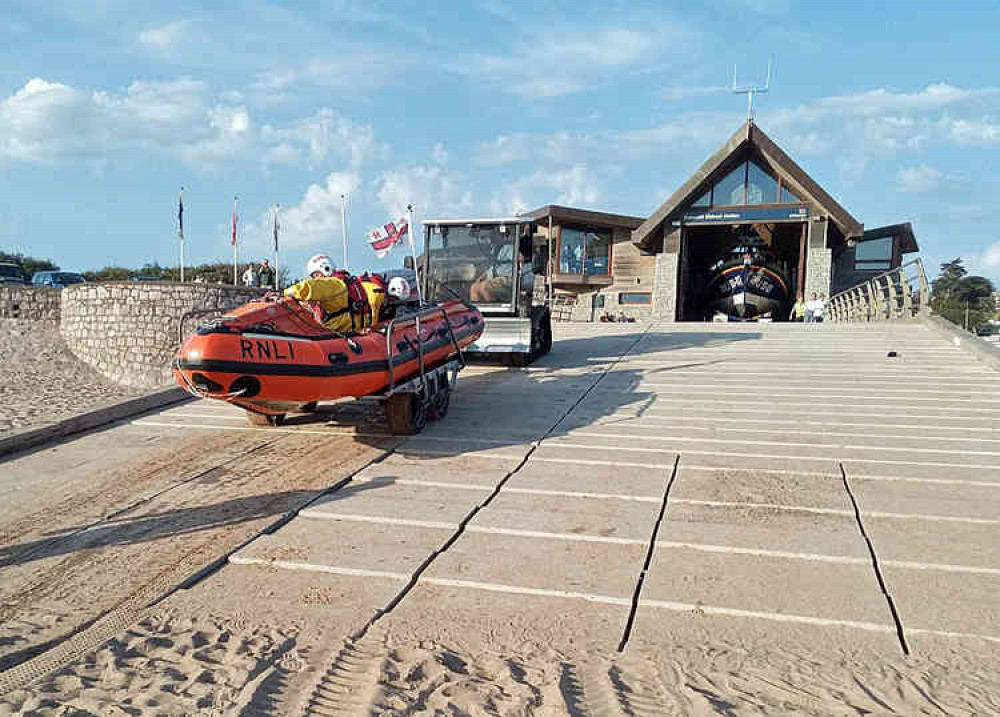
265 275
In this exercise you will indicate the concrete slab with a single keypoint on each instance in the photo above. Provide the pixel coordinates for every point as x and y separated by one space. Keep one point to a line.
664 416
777 445
660 630
945 499
885 438
342 604
613 479
387 499
766 584
462 469
944 542
763 528
751 486
469 618
607 518
347 544
949 602
543 564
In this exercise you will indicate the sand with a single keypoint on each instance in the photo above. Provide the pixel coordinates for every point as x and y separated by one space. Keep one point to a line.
41 381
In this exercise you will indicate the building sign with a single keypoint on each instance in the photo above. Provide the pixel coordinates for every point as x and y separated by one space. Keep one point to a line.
746 215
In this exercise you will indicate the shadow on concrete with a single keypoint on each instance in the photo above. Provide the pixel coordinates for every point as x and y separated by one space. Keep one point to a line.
511 407
175 523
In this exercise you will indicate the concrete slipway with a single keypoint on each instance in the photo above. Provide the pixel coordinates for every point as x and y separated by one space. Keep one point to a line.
793 480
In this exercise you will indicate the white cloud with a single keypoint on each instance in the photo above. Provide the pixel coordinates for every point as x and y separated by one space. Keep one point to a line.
680 94
439 154
324 133
991 257
555 64
315 219
575 186
433 190
354 69
669 138
919 179
164 37
973 132
48 121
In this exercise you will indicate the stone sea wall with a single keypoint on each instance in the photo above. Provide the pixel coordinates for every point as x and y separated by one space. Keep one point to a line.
30 303
129 331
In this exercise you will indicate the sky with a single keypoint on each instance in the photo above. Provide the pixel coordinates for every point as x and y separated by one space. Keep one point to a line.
470 109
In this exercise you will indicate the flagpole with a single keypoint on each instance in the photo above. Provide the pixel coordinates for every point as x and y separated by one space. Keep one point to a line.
236 200
180 228
410 231
343 225
277 286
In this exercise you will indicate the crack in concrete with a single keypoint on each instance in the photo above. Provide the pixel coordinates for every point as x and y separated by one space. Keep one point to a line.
900 634
649 557
479 507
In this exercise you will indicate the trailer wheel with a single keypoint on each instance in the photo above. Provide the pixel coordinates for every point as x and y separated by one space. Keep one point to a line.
308 407
438 407
265 419
405 413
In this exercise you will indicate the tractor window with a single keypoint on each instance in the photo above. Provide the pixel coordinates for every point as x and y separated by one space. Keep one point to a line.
474 261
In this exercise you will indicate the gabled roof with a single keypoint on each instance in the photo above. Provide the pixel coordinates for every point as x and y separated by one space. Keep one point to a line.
750 135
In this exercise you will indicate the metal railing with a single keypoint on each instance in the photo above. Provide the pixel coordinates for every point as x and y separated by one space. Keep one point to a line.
902 293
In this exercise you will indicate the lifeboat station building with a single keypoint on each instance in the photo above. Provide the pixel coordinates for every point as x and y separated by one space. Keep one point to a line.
662 267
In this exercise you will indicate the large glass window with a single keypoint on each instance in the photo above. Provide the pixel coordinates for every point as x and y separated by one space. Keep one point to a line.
474 261
749 183
873 255
731 189
584 251
762 188
788 196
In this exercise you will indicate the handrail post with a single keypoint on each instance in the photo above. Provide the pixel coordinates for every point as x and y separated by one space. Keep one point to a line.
907 297
925 290
893 305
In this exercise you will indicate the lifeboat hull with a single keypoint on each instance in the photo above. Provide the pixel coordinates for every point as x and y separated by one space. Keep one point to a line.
748 291
269 357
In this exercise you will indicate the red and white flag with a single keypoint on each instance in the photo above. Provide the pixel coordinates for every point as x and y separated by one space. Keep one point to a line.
384 238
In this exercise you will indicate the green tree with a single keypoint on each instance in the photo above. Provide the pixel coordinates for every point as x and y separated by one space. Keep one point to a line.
964 300
29 264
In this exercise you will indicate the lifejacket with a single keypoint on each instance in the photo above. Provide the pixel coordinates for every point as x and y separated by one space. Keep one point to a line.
366 295
343 302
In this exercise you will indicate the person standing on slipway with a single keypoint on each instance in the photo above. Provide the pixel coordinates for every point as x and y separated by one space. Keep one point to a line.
250 276
265 275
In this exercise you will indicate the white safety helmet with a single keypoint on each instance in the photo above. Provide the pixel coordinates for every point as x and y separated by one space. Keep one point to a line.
399 288
320 263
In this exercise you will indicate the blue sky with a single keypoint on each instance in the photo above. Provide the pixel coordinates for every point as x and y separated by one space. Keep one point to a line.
474 108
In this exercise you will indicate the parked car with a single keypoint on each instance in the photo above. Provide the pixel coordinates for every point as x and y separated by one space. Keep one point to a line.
56 279
11 275
145 277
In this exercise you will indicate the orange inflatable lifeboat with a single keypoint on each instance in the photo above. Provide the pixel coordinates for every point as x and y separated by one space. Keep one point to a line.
272 357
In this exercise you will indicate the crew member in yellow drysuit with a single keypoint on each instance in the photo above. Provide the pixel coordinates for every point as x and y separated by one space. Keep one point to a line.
331 296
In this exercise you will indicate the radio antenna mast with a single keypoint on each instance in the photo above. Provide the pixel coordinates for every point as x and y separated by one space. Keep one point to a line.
751 90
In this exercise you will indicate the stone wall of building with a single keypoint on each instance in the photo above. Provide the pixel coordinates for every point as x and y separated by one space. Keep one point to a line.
666 278
819 261
129 331
30 303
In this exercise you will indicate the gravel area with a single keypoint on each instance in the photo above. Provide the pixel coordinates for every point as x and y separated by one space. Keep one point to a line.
41 381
